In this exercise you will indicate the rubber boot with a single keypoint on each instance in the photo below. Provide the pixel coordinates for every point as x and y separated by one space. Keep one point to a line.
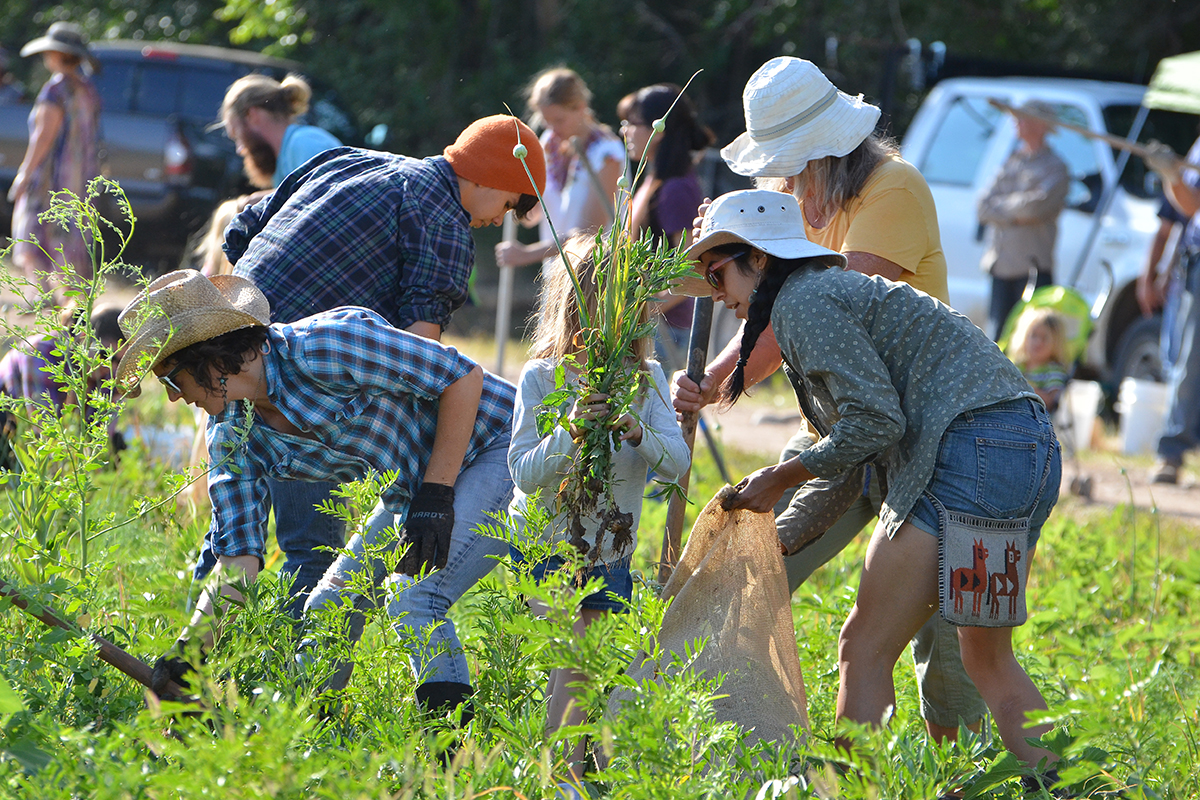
436 698
439 698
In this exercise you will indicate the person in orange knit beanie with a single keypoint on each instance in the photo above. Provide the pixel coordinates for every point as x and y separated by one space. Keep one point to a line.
355 227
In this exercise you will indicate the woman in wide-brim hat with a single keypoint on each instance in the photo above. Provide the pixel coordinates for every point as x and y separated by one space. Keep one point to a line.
859 198
64 127
889 376
333 396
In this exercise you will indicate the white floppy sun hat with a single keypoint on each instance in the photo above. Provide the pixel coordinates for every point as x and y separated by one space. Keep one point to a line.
795 115
765 220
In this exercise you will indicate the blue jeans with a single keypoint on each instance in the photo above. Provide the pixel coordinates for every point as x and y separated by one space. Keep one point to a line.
998 462
614 597
1006 293
1182 430
308 538
419 608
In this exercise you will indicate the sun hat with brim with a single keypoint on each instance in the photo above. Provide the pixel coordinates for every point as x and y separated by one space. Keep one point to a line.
62 37
765 220
795 115
180 309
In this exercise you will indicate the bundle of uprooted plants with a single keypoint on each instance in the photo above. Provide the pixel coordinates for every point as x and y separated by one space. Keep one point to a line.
629 273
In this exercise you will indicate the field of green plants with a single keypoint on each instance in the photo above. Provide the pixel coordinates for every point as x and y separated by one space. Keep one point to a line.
1113 642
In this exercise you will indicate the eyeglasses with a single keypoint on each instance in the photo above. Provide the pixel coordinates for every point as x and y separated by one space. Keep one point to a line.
168 380
633 123
717 281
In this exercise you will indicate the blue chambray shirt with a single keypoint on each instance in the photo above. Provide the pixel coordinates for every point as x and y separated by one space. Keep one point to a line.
359 228
368 395
887 368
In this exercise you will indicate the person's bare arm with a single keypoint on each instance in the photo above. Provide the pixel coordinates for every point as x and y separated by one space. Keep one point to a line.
515 254
47 121
871 264
230 572
457 409
1184 197
1149 285
430 330
763 362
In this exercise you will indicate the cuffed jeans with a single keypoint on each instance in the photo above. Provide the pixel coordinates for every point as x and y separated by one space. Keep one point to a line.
418 608
947 694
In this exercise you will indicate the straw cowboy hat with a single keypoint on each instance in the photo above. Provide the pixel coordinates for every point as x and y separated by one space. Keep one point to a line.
62 37
180 309
795 115
765 220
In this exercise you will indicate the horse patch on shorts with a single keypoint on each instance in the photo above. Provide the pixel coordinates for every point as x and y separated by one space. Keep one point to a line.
982 566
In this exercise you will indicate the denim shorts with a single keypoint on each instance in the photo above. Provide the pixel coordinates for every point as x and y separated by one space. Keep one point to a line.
998 462
618 582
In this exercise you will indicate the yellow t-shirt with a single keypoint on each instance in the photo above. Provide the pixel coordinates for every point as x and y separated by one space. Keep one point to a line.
893 217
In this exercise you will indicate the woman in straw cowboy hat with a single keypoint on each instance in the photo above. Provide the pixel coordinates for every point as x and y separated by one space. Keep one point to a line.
861 199
64 130
889 375
333 396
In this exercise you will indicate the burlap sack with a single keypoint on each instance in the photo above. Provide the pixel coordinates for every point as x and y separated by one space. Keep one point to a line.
730 588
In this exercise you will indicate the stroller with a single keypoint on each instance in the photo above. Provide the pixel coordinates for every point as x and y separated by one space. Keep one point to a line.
1079 321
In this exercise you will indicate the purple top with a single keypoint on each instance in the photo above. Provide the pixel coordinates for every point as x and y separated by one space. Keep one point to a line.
21 373
672 209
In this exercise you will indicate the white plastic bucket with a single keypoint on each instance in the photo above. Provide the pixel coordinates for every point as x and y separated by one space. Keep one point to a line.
1078 409
1143 408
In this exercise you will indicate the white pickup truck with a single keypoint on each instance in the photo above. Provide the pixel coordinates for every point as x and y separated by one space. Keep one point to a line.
959 141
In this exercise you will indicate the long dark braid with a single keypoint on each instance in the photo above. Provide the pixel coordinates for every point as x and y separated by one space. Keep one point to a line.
759 316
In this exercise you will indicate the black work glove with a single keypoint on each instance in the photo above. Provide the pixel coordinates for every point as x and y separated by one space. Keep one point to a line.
427 531
171 666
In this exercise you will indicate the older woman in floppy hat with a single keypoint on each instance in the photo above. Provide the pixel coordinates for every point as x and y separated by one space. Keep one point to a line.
334 395
861 199
889 376
64 127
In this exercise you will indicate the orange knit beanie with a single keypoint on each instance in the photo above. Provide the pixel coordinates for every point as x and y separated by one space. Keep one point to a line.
483 153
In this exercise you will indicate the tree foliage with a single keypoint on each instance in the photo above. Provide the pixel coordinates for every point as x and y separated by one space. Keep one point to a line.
427 68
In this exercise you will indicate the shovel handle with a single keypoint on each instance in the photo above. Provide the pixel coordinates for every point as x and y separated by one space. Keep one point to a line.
677 506
108 652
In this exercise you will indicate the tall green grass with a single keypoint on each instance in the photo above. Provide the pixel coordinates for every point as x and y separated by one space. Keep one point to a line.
1112 640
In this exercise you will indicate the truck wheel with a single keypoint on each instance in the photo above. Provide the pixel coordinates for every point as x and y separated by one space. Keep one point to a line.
1139 354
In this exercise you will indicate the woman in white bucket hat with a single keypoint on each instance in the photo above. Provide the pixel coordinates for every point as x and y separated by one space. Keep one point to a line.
891 377
861 199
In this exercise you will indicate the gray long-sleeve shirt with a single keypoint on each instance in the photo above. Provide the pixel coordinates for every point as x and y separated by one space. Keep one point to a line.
1022 206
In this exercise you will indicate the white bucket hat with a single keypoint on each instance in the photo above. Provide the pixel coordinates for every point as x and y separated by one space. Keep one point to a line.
765 220
795 115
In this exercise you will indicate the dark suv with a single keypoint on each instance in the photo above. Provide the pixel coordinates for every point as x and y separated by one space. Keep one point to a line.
158 103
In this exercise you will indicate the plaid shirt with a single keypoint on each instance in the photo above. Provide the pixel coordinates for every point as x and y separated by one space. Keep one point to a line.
359 228
366 393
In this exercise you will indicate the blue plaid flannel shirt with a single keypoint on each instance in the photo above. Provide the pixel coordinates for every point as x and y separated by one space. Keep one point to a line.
359 228
366 393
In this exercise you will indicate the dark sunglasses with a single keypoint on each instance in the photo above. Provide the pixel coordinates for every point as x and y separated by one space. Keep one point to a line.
168 380
717 281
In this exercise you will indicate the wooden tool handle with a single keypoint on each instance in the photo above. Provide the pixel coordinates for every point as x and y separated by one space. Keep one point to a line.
676 506
108 652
